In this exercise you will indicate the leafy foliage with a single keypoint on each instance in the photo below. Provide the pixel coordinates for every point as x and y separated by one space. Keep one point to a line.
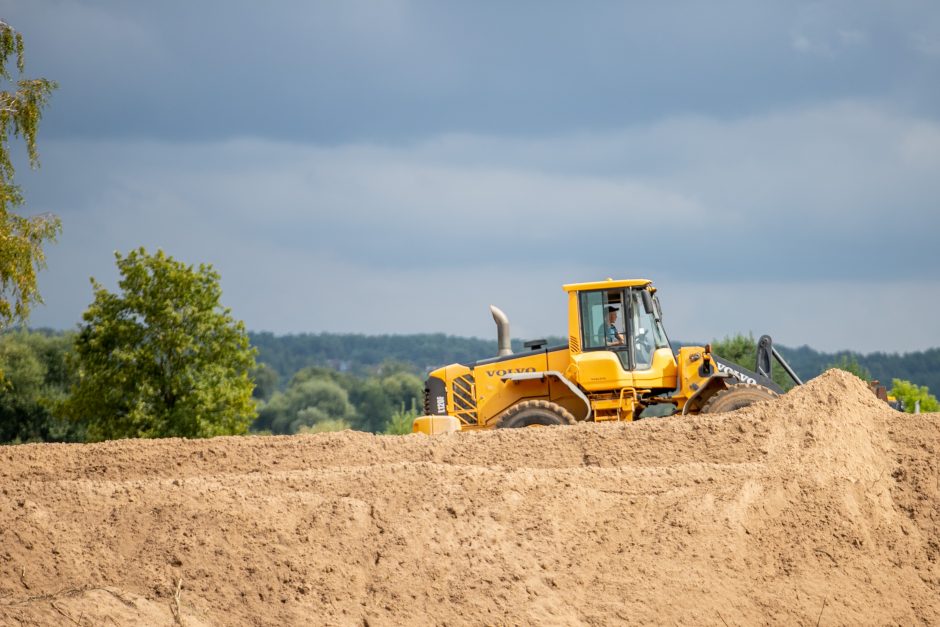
36 379
265 378
378 398
21 255
401 421
162 358
910 394
317 395
307 401
741 349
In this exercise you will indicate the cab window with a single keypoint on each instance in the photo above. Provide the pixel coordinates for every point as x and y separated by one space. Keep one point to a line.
602 319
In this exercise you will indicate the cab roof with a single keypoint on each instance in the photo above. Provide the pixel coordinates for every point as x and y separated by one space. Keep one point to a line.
606 285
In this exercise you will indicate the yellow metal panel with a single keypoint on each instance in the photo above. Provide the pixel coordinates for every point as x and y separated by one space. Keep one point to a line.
559 360
689 377
662 374
574 324
600 371
434 425
605 285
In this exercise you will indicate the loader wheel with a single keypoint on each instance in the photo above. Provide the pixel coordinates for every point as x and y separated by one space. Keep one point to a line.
534 414
736 397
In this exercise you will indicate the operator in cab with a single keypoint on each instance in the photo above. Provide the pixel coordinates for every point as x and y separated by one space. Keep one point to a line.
613 336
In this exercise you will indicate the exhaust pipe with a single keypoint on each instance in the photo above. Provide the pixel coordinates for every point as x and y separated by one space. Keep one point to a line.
502 331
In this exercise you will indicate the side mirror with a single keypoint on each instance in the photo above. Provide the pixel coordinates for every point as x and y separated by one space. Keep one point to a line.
647 301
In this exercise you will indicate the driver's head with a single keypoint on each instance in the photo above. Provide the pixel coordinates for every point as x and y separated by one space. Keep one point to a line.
611 314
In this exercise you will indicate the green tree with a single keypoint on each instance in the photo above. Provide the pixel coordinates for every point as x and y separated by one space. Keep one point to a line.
849 363
265 379
403 388
20 419
319 372
317 395
376 398
740 348
36 379
21 252
162 358
307 401
391 367
402 420
373 406
910 393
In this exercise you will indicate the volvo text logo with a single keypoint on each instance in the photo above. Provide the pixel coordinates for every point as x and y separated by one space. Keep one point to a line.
503 373
743 377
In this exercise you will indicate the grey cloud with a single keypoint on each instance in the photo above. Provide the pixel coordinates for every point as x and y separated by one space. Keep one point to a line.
805 197
439 156
397 71
927 44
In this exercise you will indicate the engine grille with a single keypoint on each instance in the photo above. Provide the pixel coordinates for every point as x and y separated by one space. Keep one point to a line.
464 398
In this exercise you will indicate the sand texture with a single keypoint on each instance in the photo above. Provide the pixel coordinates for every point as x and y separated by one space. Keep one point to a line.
821 507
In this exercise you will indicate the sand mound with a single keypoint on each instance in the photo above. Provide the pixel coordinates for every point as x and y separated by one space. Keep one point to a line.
820 507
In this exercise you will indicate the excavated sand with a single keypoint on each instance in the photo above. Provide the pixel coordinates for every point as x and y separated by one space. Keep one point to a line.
822 507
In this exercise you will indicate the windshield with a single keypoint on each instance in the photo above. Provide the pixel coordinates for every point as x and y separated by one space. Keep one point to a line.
648 333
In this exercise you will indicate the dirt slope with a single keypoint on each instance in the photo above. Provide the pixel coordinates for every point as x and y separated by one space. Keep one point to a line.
820 507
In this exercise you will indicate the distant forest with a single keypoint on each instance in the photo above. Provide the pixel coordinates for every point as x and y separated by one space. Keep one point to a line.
364 354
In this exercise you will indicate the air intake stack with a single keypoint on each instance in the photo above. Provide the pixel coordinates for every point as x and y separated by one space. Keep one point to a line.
502 331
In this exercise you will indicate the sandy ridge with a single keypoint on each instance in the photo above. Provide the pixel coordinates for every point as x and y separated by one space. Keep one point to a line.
822 506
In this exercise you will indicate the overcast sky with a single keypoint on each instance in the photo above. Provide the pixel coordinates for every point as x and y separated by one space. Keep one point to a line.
395 166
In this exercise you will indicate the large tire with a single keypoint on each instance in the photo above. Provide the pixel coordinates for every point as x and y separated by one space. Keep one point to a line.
534 414
736 397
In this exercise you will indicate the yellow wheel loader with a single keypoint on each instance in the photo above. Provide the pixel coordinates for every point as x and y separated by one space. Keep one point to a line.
617 362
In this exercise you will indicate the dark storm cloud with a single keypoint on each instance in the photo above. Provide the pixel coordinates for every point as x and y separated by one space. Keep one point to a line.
387 71
433 153
789 222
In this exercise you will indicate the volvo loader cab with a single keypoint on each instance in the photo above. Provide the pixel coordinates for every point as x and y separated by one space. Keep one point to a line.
617 362
616 337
